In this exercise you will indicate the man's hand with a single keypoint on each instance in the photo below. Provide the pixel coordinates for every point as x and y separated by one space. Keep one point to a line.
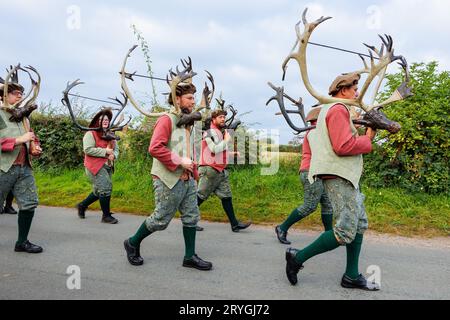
227 136
27 137
371 133
187 164
109 151
111 157
37 152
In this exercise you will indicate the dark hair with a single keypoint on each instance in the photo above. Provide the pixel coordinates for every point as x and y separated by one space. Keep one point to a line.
182 89
11 88
217 113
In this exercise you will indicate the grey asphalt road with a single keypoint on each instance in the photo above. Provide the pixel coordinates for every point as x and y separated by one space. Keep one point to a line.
247 265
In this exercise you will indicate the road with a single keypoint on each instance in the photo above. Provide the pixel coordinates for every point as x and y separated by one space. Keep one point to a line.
247 265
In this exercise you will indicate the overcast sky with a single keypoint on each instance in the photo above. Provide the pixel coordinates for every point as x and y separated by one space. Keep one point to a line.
242 43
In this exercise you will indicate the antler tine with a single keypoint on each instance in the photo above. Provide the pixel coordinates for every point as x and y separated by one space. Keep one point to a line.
279 98
305 22
120 128
15 78
221 103
404 64
36 86
123 104
299 104
66 102
210 93
11 73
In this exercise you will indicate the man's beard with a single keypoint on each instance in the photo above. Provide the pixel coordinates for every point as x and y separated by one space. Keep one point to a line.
221 126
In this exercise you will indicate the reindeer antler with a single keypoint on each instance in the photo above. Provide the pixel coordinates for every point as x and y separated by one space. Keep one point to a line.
375 69
208 93
66 102
113 126
124 75
12 74
279 98
35 87
178 77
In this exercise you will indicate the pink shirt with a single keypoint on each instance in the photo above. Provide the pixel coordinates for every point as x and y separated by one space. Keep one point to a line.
8 144
343 141
158 145
306 154
218 161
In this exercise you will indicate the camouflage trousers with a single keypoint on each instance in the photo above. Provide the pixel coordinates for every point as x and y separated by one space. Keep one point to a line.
213 181
348 209
313 195
182 197
21 182
101 182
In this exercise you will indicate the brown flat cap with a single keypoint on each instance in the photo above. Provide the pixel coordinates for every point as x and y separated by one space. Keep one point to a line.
344 80
313 114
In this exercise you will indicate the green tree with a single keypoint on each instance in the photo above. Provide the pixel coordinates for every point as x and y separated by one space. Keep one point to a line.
416 158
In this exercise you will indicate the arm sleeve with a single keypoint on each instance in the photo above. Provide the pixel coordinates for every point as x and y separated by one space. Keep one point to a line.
213 146
116 150
343 141
89 147
158 145
8 144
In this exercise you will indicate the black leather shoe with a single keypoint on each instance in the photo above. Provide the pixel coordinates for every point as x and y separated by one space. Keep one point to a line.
198 228
292 266
9 210
27 246
197 263
240 226
81 211
281 235
359 283
133 253
109 219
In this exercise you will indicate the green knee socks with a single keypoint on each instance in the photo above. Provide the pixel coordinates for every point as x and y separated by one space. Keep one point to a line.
189 241
293 218
327 220
326 242
227 204
353 250
105 205
24 220
140 235
90 199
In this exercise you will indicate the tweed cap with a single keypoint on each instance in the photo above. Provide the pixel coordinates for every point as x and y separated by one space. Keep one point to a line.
344 80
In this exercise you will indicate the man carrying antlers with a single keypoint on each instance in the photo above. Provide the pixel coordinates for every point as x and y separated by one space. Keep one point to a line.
213 164
314 193
15 161
174 178
337 159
